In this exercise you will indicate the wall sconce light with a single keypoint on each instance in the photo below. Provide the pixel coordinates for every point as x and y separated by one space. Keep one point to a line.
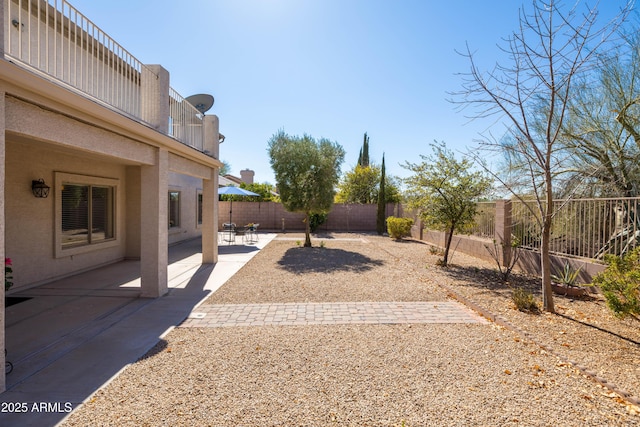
40 189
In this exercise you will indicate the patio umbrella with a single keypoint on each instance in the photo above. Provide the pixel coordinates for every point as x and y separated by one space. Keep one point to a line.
234 191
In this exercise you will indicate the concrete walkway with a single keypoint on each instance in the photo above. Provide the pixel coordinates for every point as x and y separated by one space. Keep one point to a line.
77 333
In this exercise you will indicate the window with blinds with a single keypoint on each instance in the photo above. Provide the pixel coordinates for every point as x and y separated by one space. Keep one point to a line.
199 209
87 214
174 209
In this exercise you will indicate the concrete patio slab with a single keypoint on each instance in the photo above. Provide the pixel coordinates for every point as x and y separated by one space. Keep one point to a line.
74 334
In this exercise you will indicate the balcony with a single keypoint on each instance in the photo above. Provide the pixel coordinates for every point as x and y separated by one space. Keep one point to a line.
52 39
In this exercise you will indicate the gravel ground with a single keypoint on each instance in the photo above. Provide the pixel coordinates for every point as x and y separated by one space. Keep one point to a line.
583 331
344 270
376 375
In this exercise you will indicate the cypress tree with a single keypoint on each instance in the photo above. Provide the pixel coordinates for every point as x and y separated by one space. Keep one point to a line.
380 219
363 158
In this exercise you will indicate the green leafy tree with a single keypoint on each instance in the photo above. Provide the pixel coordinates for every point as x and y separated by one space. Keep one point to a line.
362 184
601 133
382 203
265 190
225 169
445 190
307 172
359 185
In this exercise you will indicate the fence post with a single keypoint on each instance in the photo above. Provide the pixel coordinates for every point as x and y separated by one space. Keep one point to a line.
503 229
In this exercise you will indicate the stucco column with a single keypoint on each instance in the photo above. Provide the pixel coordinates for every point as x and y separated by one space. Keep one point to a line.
154 226
211 126
503 229
133 216
155 97
3 22
209 219
211 130
3 384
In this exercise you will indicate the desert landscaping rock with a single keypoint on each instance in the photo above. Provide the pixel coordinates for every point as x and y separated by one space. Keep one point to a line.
376 374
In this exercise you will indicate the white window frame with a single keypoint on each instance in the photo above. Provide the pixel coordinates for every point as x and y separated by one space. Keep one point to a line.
62 178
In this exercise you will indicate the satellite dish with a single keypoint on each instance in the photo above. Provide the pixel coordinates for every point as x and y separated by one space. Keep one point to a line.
202 102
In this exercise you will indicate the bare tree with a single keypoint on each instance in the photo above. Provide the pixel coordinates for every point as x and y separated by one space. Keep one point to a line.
531 94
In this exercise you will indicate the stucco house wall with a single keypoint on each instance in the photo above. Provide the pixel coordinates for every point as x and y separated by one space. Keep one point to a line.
42 144
189 188
31 222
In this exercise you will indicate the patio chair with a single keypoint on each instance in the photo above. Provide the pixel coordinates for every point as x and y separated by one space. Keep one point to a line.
251 234
229 232
242 231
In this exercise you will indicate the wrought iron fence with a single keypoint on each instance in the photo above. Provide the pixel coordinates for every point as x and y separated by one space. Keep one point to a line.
589 228
485 220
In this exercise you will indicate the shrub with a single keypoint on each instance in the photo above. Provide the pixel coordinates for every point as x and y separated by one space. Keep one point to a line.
434 250
399 227
620 283
496 253
567 276
316 220
524 300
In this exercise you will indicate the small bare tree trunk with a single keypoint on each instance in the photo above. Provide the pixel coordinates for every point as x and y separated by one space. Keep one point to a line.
307 231
545 264
547 220
447 245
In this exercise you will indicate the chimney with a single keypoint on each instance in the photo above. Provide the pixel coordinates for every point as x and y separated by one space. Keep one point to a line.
247 176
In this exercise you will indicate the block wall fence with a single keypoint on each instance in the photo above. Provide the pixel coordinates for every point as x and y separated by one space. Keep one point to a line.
273 217
362 218
529 261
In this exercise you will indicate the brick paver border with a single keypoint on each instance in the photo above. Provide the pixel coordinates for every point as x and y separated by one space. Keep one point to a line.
336 313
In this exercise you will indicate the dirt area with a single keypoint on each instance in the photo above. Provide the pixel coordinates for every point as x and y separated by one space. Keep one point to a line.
384 374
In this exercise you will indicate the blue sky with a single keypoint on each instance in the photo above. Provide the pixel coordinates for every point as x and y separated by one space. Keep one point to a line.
328 68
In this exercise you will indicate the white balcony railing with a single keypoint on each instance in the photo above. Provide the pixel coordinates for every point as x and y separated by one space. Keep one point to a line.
185 121
53 38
